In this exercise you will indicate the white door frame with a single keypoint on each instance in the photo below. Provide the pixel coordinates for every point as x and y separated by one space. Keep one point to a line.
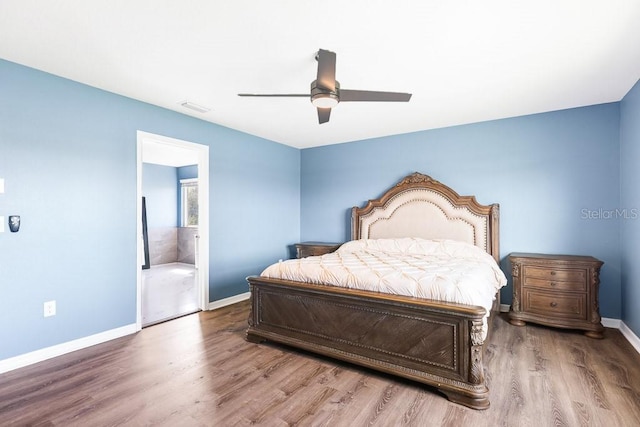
202 252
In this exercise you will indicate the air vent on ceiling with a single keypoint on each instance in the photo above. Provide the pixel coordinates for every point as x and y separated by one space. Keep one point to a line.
195 107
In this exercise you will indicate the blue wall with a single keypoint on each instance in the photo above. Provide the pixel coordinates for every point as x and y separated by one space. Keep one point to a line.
188 172
160 188
68 157
630 200
546 171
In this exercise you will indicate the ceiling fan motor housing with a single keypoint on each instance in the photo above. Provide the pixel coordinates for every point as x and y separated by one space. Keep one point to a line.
324 98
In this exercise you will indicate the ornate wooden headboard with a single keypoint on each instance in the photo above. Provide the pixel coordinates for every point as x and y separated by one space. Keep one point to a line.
420 206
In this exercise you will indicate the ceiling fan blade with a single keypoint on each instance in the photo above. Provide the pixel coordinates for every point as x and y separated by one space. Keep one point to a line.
323 115
280 95
326 70
347 95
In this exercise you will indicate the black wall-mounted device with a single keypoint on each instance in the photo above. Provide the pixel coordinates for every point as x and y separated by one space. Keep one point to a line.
14 223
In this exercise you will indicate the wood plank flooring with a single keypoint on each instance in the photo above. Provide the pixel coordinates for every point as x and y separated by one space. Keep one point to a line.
199 371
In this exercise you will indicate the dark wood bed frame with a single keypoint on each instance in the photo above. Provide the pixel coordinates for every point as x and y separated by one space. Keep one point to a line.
432 342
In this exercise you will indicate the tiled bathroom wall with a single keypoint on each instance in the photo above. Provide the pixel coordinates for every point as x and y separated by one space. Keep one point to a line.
172 244
186 245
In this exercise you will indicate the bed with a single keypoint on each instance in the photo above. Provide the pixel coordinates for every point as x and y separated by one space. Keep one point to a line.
433 342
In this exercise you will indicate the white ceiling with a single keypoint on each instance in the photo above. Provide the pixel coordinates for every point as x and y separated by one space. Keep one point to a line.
167 154
464 61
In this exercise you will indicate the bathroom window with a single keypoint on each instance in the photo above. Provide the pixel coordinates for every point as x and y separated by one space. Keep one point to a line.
189 202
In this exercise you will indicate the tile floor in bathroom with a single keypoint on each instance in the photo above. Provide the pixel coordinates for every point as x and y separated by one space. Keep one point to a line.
168 291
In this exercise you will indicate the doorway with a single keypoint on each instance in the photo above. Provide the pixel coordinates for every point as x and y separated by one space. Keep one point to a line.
191 275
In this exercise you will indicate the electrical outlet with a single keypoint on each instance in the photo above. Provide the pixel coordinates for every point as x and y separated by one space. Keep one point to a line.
49 308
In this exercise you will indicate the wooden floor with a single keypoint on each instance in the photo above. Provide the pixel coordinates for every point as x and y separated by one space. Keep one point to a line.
199 371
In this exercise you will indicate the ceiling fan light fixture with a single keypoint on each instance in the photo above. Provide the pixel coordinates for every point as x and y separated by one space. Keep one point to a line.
324 100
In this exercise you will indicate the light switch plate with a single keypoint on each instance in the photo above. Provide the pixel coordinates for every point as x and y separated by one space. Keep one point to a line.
1 185
1 224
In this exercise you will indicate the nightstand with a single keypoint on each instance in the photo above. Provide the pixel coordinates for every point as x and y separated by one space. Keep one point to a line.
556 290
306 249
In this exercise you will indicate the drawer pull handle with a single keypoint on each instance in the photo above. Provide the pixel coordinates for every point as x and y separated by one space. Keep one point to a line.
553 273
552 284
553 304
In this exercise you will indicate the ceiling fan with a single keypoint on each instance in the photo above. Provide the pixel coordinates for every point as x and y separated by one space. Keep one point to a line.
326 93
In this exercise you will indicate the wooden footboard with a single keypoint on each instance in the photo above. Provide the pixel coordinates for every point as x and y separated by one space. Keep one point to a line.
434 343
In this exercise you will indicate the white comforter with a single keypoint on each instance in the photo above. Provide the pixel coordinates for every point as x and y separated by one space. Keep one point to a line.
444 270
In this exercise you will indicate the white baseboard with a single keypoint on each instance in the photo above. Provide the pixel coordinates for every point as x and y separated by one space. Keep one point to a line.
20 361
26 359
630 336
611 323
504 308
41 355
607 323
228 301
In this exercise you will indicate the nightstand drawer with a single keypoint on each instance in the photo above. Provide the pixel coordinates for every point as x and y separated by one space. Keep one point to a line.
534 282
555 274
569 306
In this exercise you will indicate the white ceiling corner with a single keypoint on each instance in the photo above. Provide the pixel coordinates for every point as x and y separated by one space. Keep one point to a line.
463 61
